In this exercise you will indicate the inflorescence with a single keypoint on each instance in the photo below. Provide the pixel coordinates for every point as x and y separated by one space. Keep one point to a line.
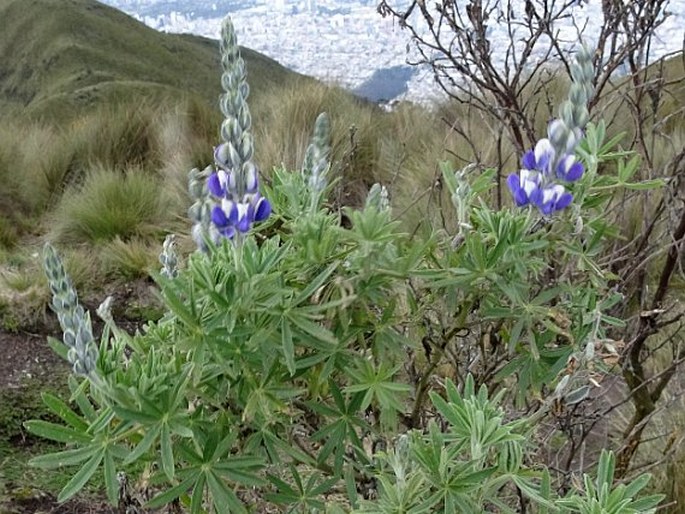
553 158
73 318
316 163
235 185
169 258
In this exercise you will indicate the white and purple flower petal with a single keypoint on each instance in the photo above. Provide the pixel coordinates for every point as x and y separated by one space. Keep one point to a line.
222 155
214 185
524 186
262 209
230 209
251 180
544 156
569 169
553 198
528 160
245 216
219 217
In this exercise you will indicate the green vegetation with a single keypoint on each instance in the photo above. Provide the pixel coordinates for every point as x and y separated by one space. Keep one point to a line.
16 480
111 204
103 118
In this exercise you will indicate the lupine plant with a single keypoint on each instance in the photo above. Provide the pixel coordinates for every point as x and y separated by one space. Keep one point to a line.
320 368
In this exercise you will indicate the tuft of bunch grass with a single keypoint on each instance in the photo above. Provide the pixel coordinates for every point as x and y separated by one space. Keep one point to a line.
129 260
111 204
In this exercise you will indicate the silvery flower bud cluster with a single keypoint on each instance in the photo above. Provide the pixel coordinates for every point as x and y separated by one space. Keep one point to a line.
378 198
74 320
316 160
169 258
200 211
566 132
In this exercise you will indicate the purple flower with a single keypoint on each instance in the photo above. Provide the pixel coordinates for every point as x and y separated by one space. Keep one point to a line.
230 216
553 197
214 185
222 183
550 159
541 158
525 187
262 209
569 169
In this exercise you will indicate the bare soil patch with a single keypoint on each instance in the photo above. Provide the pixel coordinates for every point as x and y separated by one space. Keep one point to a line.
25 356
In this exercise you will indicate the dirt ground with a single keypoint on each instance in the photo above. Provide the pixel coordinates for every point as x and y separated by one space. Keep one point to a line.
25 356
48 505
27 359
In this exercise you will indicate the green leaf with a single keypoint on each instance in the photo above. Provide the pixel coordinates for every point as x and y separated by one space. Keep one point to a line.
646 503
179 308
223 498
636 485
173 493
56 432
102 421
313 329
198 495
79 396
314 285
62 410
351 486
605 469
64 458
111 482
288 347
58 347
627 169
167 452
81 478
144 445
645 185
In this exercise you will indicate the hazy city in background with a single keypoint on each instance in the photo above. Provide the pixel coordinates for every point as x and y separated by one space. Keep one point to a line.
346 42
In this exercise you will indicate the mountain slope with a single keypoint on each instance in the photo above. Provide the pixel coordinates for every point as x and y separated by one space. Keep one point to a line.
59 56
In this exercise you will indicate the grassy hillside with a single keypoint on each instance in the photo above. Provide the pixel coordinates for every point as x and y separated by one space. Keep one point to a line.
60 56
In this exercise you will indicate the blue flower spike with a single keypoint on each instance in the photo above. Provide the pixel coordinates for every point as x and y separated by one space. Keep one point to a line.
553 157
234 186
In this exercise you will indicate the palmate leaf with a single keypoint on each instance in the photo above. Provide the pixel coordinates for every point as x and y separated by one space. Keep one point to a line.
303 495
276 448
97 447
208 463
377 383
159 418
